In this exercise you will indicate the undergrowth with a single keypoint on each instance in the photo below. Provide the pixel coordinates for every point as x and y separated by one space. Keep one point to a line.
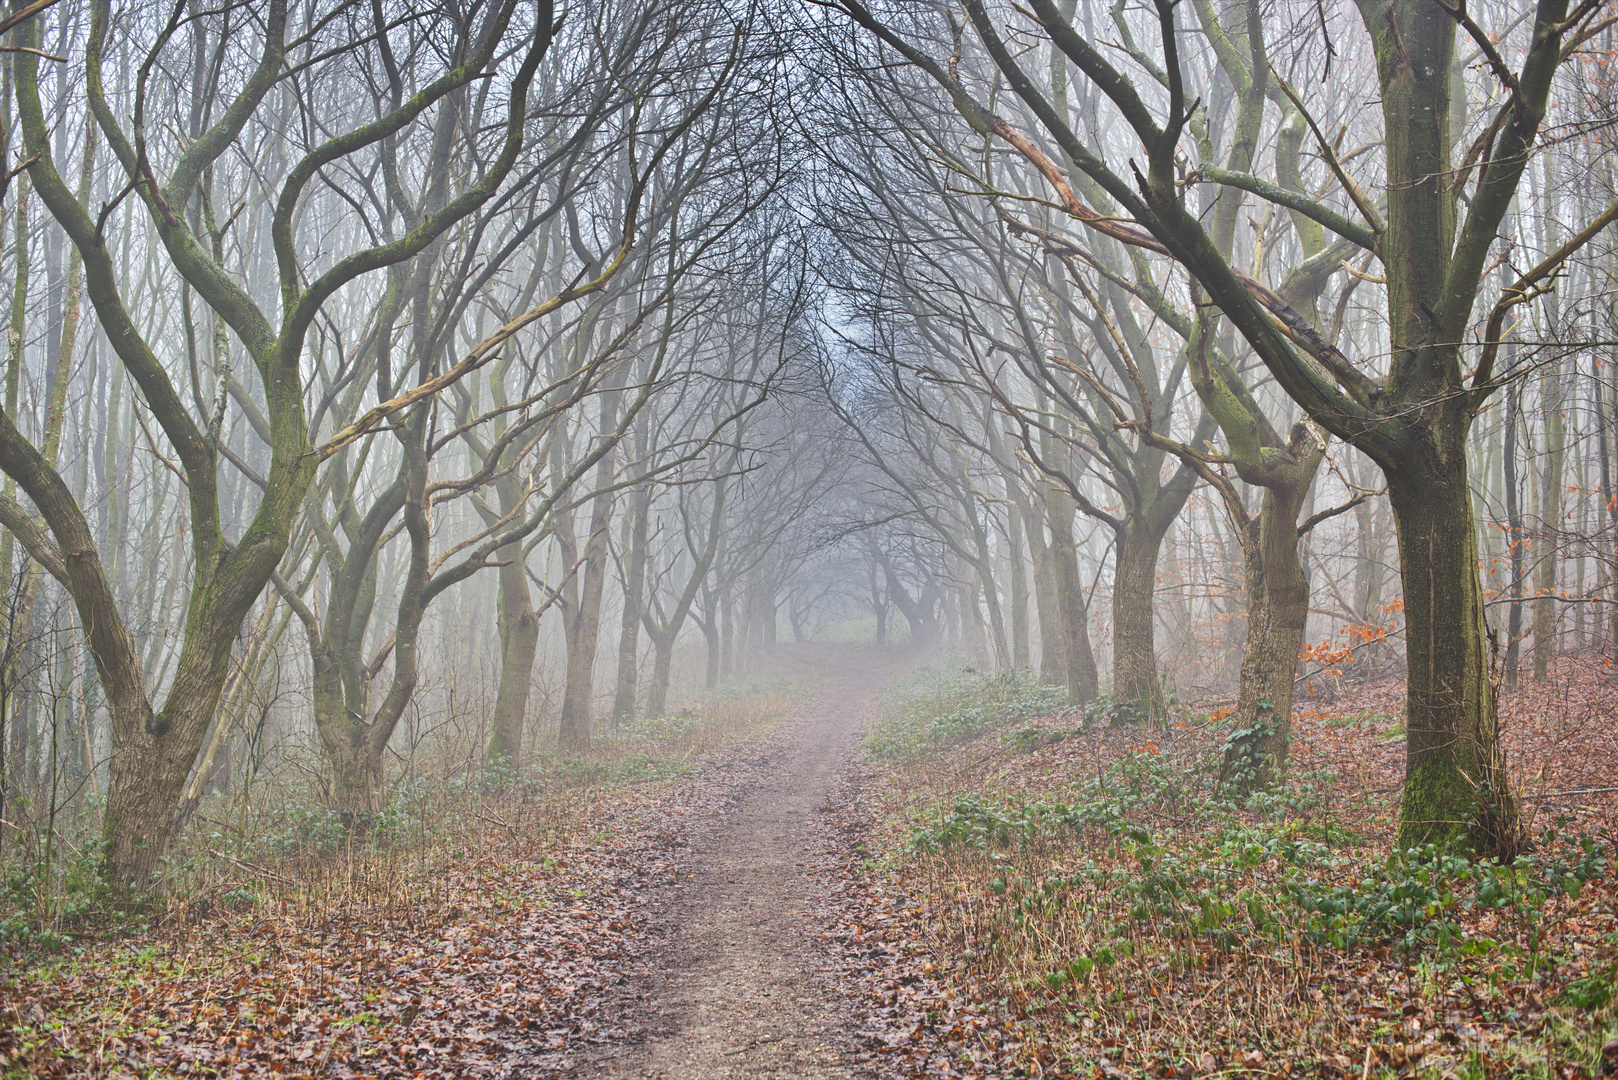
279 846
1140 914
934 710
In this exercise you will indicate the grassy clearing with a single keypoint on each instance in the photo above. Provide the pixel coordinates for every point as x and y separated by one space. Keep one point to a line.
1098 886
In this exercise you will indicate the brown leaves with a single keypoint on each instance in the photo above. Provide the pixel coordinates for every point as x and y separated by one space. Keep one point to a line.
489 985
965 968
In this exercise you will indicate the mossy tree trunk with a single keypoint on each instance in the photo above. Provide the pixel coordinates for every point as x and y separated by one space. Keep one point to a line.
1277 613
1455 786
1136 688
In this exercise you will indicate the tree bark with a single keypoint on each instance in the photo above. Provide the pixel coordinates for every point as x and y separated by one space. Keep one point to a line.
1455 787
583 622
1020 652
1514 540
1277 613
519 642
1077 660
623 698
662 670
1136 690
1547 549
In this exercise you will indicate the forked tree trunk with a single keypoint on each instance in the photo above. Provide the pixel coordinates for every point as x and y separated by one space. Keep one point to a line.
356 780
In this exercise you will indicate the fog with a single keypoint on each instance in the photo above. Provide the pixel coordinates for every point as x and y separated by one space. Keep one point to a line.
407 399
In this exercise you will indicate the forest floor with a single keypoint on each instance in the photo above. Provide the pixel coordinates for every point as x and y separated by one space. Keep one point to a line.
657 910
890 874
1051 896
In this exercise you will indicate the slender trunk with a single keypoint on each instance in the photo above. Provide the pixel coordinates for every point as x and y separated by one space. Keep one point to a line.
584 630
18 610
710 638
519 642
1368 569
1548 549
1020 651
662 669
14 335
1053 648
623 698
1604 421
727 634
1078 661
769 614
582 619
974 638
1514 541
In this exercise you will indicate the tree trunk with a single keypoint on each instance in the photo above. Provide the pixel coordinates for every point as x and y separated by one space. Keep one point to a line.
662 669
623 698
974 636
1277 611
1135 687
519 641
1604 422
727 633
710 639
1053 648
1078 661
1548 548
1514 540
1020 652
1455 785
584 625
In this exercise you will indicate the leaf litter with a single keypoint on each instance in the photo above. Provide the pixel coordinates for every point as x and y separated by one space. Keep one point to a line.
522 958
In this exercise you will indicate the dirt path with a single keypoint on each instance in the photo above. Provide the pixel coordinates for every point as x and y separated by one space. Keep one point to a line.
728 987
